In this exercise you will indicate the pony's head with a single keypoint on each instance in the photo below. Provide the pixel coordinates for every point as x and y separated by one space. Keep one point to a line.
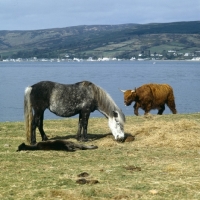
116 125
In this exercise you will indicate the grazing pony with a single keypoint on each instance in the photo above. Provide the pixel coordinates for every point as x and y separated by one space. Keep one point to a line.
67 100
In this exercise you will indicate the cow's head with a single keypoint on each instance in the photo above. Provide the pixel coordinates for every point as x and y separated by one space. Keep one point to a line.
129 96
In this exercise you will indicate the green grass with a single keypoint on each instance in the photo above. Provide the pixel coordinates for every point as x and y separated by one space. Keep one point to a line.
161 48
161 163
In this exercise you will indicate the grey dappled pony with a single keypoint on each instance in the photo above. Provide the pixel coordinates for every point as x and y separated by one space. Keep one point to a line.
67 100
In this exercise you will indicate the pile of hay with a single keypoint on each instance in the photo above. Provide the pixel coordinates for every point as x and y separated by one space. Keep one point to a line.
181 133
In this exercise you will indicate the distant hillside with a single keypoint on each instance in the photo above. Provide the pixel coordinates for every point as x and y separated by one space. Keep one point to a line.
121 41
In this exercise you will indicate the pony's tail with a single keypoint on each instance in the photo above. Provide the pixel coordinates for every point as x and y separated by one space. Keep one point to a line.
28 113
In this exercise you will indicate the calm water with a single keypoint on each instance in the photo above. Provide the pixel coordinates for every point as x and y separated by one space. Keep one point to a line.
183 76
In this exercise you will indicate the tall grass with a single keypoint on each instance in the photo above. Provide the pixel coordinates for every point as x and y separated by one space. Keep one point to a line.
161 163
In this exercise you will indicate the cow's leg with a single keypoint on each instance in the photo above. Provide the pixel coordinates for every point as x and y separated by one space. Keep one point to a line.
147 108
172 107
171 103
161 110
136 107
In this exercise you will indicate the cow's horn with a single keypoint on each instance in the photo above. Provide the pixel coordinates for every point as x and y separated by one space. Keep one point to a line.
122 90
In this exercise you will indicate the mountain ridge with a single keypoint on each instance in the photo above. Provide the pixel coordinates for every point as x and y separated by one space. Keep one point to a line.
123 40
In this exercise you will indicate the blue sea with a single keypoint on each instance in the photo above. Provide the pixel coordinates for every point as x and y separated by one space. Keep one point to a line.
183 76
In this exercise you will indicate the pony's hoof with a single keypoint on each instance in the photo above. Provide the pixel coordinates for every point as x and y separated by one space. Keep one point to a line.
45 138
78 138
33 143
84 140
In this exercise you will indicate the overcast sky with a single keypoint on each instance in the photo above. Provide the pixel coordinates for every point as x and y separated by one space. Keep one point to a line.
43 14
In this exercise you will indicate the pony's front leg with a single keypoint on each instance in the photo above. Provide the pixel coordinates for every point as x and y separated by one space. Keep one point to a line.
85 118
78 135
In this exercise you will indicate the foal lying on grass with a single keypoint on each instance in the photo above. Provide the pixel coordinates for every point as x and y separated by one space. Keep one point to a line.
58 145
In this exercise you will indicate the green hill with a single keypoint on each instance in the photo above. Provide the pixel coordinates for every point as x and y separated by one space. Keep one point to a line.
121 41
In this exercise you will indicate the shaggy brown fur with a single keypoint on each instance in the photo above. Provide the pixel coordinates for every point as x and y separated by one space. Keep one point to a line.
58 145
151 96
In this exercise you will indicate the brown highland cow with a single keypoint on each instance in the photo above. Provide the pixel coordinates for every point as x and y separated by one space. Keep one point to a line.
151 96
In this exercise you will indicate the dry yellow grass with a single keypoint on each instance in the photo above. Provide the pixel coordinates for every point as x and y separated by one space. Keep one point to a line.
156 131
161 163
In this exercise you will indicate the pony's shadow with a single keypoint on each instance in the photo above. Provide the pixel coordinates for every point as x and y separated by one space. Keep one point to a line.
91 137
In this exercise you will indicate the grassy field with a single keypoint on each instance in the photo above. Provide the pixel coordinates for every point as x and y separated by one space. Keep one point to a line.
163 162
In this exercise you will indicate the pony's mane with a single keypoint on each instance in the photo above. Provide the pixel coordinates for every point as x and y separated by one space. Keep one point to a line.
106 104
